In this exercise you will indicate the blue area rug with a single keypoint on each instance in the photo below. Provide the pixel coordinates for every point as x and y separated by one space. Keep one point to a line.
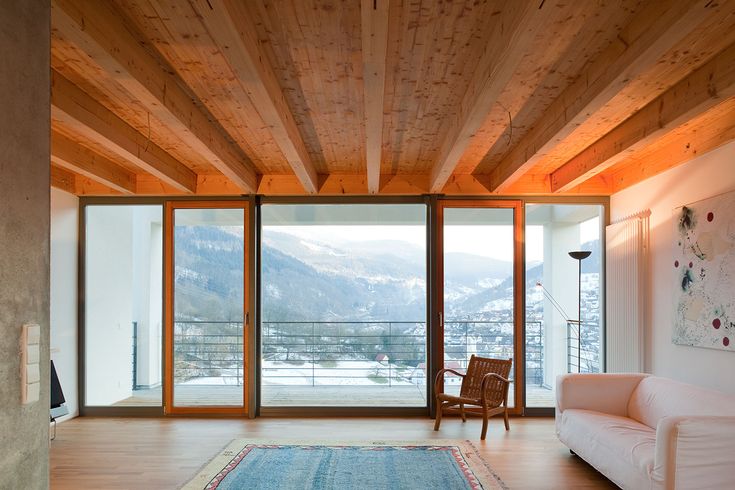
434 465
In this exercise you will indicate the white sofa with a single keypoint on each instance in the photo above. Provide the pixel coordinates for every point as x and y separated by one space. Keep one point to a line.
644 431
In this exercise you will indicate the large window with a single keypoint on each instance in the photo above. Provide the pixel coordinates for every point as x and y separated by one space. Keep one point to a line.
343 305
123 305
563 304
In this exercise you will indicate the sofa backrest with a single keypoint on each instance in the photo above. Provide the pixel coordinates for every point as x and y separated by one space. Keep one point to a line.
655 398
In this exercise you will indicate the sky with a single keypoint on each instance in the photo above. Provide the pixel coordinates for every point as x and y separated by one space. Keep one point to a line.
492 241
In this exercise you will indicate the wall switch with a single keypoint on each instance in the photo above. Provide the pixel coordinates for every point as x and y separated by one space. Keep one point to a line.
32 393
30 367
33 373
33 354
33 334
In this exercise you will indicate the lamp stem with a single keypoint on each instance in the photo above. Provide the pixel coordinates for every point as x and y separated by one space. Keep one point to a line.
579 318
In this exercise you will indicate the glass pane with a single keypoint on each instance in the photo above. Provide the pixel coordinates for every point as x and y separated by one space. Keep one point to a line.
478 288
209 254
553 296
343 305
123 307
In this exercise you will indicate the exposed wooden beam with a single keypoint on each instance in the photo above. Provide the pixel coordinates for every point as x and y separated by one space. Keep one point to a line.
77 184
69 154
63 179
697 93
658 28
87 116
101 33
374 14
493 71
229 24
695 138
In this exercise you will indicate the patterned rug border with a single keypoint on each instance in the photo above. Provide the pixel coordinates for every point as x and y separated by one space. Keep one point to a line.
480 468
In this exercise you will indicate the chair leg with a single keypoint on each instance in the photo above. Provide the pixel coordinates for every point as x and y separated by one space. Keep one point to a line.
461 412
438 418
505 415
484 423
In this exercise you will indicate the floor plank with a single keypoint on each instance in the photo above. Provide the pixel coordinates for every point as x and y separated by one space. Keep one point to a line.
115 453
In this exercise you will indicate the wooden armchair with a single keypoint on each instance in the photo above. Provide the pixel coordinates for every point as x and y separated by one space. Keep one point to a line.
485 385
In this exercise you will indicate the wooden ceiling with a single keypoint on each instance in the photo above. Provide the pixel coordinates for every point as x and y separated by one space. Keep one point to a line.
229 97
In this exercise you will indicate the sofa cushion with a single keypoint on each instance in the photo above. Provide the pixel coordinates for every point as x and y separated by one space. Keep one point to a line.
613 445
655 398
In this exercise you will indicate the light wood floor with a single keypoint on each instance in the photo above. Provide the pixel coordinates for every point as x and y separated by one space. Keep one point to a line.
109 453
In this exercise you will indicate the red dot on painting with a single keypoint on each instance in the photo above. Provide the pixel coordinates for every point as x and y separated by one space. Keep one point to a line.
710 216
676 263
691 265
716 323
725 341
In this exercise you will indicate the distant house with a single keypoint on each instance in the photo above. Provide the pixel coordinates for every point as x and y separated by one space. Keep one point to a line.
419 372
382 358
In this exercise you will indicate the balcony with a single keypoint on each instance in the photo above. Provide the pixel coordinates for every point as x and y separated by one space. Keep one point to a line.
337 363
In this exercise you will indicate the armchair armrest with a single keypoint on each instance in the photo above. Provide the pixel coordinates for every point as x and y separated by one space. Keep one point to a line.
440 375
695 452
603 392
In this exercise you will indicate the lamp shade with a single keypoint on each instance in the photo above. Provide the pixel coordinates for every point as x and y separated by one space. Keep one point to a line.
580 254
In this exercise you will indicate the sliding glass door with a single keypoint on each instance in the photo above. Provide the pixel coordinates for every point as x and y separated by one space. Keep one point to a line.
206 301
343 305
479 262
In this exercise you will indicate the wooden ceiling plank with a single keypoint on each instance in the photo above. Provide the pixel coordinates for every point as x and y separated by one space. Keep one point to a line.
655 32
77 158
374 14
228 22
703 89
85 114
494 71
100 32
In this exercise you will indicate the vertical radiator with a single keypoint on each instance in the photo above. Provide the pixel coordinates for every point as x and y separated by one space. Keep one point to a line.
627 293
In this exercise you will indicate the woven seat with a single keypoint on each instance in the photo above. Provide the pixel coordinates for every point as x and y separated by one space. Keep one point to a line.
485 386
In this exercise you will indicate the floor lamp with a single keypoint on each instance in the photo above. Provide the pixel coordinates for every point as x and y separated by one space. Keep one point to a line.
579 256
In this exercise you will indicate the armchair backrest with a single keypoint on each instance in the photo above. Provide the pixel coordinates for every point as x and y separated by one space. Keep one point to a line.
477 368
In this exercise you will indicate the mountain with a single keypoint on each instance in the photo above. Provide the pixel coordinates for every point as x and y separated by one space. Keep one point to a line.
310 280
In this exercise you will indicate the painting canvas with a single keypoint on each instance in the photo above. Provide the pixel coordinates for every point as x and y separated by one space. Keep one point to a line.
704 273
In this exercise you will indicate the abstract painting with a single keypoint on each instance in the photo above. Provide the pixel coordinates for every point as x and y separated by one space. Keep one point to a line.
704 273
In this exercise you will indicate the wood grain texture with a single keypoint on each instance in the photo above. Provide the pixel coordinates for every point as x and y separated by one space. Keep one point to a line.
233 32
469 97
104 36
115 453
374 15
705 88
79 111
637 50
66 153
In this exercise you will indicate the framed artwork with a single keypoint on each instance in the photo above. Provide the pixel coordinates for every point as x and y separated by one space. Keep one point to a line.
704 273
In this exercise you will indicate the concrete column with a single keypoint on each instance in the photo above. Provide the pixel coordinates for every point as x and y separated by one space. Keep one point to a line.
24 235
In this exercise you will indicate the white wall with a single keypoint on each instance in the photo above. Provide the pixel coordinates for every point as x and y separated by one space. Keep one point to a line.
64 225
704 177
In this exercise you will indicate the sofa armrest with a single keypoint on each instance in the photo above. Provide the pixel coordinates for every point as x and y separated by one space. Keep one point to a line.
601 392
695 452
